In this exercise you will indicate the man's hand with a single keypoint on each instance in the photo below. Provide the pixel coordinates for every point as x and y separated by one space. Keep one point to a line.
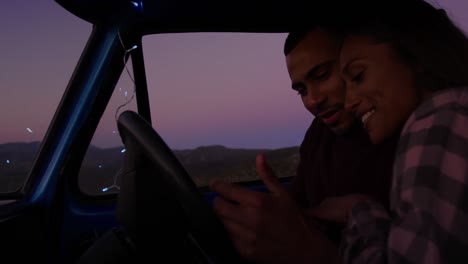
269 227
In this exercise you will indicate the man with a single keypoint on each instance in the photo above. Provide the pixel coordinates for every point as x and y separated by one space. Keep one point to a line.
337 155
336 159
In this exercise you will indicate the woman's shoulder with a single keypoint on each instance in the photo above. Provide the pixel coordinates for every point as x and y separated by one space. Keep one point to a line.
439 124
443 108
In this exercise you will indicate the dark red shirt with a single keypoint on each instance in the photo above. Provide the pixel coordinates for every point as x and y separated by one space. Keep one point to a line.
336 165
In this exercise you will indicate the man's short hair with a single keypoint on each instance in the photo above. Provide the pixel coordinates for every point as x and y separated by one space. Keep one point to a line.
295 37
325 17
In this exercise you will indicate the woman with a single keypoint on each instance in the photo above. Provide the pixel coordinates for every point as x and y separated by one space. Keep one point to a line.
406 69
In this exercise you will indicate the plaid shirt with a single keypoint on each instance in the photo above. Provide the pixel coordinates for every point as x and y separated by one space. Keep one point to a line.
429 198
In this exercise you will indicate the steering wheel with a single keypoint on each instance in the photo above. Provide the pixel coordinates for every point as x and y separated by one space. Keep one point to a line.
163 183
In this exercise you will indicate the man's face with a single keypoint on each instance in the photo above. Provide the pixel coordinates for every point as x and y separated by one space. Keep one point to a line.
313 67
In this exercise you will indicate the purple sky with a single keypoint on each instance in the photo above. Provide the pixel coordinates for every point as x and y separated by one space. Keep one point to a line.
205 88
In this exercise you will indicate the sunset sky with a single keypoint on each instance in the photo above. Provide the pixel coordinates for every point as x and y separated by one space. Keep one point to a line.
205 88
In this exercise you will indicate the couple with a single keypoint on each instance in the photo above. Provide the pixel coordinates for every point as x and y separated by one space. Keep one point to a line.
402 72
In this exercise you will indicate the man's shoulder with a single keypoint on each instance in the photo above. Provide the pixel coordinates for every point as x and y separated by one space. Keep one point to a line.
441 110
316 135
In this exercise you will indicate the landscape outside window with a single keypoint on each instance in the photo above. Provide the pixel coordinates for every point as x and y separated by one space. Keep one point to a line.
218 99
100 168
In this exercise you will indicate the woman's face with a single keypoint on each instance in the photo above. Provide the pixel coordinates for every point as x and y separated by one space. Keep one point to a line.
380 88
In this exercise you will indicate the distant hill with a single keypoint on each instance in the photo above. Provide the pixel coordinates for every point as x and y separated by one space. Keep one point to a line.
102 164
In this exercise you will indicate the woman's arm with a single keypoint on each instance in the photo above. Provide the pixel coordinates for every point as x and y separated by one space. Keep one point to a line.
430 198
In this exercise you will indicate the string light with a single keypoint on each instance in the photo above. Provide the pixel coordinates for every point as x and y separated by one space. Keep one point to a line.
114 184
127 51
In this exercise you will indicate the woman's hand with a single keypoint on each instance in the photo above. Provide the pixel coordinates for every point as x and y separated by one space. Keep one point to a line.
337 209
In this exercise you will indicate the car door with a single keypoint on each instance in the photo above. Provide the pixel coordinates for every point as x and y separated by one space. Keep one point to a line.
59 93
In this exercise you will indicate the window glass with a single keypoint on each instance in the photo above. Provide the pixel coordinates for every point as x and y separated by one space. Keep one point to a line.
99 173
218 99
40 46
